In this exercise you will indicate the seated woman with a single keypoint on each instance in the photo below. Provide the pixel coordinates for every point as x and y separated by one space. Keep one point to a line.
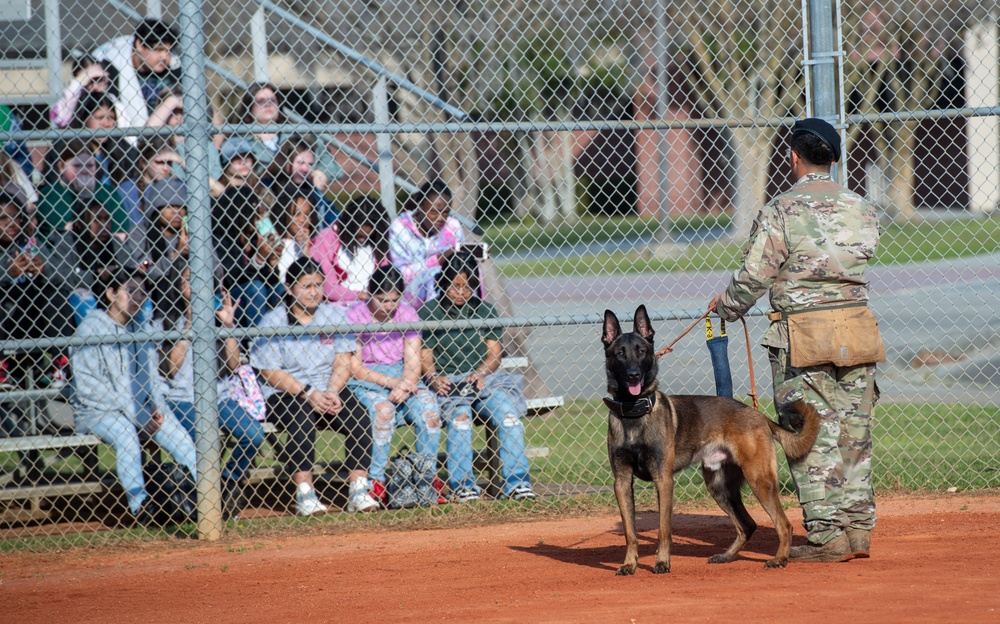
116 392
165 238
295 164
459 365
349 250
262 104
96 111
247 245
296 224
421 237
305 378
386 373
32 293
155 162
169 111
89 76
172 310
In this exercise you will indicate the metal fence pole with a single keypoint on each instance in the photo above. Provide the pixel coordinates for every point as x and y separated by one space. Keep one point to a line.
203 334
821 36
663 236
53 49
380 100
258 38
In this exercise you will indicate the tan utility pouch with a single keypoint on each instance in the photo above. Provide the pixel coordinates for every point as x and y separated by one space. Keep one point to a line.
843 335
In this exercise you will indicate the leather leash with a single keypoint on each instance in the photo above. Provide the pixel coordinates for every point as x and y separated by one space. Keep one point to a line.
670 347
746 332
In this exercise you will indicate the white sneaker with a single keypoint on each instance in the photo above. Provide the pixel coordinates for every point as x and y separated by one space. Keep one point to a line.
522 492
306 501
466 495
359 497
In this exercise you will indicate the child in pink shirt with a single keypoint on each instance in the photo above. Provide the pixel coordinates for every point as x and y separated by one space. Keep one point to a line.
386 372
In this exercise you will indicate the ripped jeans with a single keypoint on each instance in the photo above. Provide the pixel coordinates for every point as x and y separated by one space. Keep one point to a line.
500 411
419 410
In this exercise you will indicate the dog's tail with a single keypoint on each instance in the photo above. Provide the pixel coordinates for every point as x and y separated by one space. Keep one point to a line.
796 445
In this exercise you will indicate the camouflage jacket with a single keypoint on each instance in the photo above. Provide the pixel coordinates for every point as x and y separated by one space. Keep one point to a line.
809 247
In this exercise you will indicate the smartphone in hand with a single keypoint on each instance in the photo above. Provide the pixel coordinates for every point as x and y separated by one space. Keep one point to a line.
479 251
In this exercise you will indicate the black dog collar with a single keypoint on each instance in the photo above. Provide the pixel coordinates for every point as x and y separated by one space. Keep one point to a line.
631 409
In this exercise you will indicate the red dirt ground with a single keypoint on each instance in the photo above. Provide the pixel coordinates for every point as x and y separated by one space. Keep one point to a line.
934 559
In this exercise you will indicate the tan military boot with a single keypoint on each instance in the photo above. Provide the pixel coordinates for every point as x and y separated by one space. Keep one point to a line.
836 550
860 540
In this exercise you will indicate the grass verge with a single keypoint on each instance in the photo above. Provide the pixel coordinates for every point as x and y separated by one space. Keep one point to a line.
900 243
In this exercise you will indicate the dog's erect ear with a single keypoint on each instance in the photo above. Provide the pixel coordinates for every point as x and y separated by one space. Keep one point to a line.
612 328
641 324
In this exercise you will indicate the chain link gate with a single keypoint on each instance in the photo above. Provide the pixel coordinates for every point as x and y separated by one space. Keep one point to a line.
167 355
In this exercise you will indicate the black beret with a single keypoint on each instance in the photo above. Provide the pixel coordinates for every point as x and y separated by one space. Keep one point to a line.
821 130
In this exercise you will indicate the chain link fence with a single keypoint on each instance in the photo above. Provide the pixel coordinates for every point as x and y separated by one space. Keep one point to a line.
244 247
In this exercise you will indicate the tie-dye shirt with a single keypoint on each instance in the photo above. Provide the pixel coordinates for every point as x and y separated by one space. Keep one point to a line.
417 256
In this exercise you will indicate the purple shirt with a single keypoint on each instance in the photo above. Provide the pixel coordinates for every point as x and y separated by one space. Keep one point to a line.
382 347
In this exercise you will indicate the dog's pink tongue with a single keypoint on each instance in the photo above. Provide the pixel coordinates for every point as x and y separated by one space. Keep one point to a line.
635 388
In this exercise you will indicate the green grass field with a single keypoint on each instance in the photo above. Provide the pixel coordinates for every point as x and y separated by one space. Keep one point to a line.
931 446
916 447
951 238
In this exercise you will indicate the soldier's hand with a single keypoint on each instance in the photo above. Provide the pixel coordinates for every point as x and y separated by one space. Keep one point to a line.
713 304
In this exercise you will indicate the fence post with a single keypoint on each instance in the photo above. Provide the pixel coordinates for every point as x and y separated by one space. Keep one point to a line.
258 38
663 239
203 332
53 50
387 184
821 56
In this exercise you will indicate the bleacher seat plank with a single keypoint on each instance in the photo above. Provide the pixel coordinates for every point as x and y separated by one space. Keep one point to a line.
46 442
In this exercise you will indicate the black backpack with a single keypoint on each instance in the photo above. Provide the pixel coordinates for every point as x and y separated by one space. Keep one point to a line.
171 491
410 481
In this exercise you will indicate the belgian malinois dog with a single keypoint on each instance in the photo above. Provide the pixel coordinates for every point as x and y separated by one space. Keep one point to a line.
652 436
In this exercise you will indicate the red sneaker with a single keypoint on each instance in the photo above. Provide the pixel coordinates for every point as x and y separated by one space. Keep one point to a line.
378 492
60 371
5 378
439 488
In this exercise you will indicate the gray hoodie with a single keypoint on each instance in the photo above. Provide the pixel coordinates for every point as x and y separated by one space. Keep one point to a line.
113 378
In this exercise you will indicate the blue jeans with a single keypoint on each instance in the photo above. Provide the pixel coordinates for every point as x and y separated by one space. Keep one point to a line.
122 434
234 419
256 298
420 410
498 409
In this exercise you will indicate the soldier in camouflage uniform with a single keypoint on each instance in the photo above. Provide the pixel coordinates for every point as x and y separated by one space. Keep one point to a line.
809 247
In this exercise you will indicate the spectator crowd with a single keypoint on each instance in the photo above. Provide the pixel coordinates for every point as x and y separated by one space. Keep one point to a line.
96 243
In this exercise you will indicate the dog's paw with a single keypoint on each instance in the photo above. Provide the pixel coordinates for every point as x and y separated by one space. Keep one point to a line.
776 563
721 558
661 567
626 570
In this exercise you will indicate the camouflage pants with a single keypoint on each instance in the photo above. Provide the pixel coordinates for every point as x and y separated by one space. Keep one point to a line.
833 481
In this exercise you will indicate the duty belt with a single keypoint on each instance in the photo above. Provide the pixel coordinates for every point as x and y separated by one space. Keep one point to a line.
775 315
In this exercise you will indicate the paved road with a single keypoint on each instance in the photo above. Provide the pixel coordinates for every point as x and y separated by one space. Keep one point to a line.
945 308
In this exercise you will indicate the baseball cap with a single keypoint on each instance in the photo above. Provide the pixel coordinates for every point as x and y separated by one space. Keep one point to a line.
822 130
169 192
233 147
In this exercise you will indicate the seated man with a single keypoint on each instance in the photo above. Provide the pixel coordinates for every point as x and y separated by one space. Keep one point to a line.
75 182
116 394
140 67
81 253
